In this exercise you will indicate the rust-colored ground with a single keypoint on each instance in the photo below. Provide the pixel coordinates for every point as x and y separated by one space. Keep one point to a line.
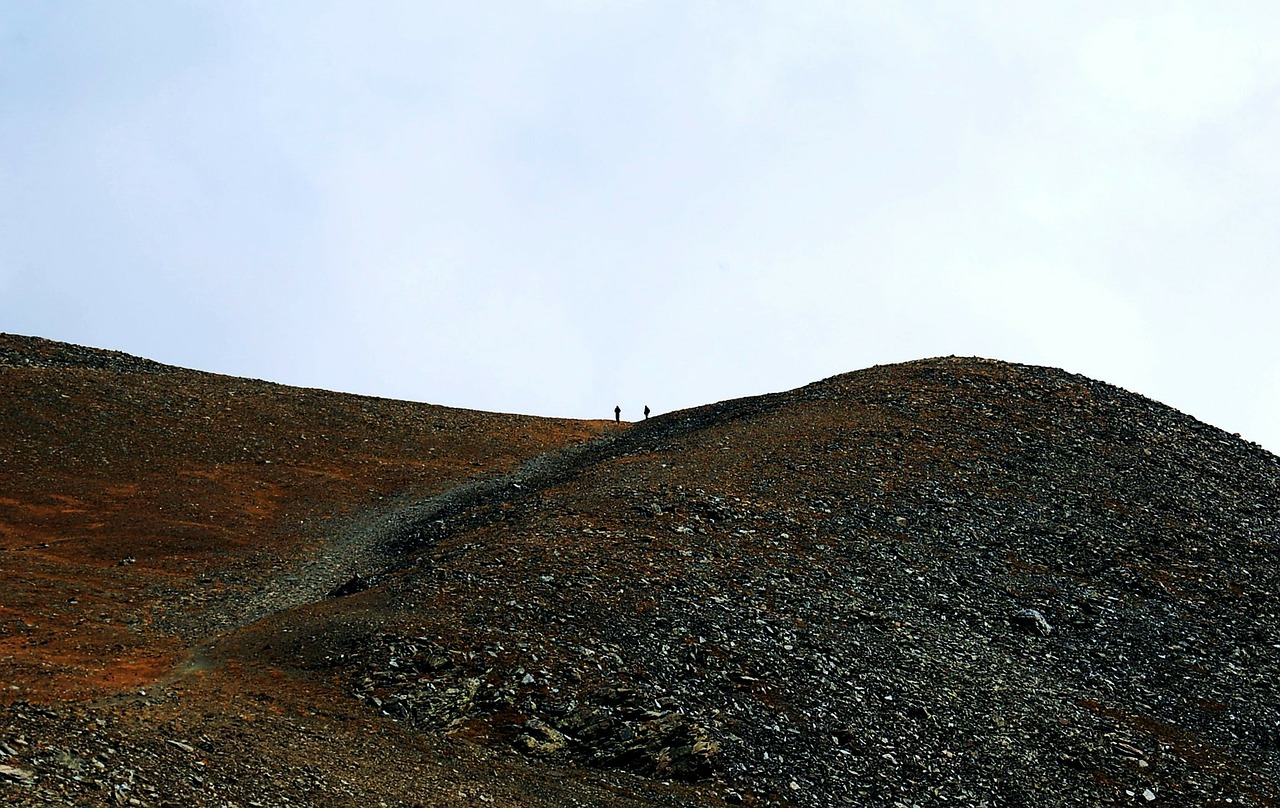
122 494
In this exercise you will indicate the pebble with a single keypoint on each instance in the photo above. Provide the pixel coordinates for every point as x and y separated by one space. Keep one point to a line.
15 773
1032 622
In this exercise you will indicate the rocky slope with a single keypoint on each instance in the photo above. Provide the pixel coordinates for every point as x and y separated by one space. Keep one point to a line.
950 581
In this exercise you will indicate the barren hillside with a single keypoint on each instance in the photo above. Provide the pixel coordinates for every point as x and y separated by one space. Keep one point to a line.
953 581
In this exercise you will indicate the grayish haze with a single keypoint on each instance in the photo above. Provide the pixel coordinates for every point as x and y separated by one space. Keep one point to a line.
553 207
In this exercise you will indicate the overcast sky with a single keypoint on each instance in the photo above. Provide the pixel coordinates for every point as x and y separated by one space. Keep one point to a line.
556 207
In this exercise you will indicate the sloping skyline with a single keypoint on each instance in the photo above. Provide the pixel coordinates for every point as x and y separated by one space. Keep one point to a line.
553 208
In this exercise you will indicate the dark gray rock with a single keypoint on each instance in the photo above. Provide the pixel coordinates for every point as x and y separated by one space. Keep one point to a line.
1032 622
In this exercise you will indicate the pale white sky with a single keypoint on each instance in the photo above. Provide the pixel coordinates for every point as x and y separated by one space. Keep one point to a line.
553 207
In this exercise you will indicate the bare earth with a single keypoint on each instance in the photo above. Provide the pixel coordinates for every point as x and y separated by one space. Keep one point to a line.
953 581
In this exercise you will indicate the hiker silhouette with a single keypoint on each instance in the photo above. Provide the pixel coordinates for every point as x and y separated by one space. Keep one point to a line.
617 414
646 412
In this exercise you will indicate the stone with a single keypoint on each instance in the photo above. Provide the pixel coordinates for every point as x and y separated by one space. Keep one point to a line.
539 738
1032 622
17 774
354 584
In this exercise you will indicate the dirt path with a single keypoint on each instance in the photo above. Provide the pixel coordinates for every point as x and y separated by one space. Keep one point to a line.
359 550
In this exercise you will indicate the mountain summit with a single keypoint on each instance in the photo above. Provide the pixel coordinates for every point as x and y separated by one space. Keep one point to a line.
953 580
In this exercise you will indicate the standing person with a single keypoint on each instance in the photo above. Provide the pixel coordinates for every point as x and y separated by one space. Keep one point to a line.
646 412
617 415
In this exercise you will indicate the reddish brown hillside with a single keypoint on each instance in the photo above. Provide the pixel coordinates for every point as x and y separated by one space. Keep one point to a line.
951 580
132 492
143 508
